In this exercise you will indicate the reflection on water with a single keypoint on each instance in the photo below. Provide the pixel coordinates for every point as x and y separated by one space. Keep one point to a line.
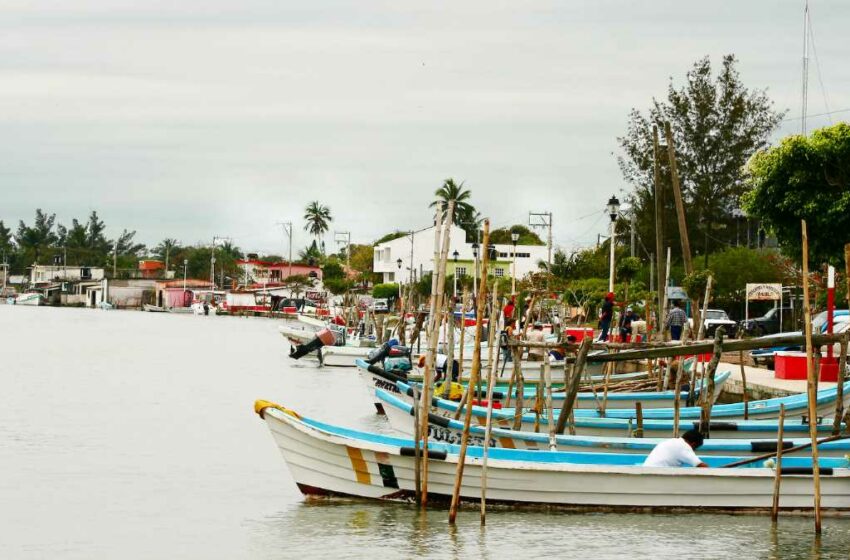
131 435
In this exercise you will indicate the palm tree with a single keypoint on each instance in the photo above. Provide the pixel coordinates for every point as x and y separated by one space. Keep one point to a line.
318 217
465 215
165 249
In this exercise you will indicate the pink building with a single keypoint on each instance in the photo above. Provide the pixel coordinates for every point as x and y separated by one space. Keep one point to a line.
267 272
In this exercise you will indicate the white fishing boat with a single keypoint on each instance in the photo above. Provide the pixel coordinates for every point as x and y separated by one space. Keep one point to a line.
448 430
375 378
28 298
327 460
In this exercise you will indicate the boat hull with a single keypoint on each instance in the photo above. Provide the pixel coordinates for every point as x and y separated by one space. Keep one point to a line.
325 463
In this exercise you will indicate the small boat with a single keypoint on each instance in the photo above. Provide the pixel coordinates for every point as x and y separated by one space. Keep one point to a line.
328 460
154 308
447 430
375 377
29 298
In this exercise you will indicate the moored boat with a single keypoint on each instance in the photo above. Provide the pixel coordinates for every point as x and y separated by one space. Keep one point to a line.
327 460
400 416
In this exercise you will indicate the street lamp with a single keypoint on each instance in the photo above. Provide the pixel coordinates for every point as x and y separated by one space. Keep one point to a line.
475 274
514 239
185 268
455 255
613 210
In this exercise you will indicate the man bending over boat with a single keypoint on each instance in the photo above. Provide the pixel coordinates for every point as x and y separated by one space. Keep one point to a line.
677 452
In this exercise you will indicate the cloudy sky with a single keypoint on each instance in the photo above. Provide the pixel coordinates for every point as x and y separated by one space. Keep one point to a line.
198 118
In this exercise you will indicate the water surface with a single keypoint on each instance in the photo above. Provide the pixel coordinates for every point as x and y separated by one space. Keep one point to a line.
131 435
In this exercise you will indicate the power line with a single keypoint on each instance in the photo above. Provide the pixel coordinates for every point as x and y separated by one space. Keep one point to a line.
818 115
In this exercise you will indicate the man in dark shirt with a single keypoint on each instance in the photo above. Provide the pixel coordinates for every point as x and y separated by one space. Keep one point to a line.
605 316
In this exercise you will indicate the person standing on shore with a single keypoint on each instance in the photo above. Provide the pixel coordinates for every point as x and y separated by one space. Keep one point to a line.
676 319
606 315
536 335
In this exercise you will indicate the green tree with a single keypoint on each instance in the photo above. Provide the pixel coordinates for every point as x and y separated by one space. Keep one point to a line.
297 284
385 291
717 124
95 238
6 246
37 239
332 270
392 236
318 218
465 215
311 255
502 236
805 178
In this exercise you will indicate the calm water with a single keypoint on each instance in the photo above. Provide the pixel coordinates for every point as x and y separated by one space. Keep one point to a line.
131 435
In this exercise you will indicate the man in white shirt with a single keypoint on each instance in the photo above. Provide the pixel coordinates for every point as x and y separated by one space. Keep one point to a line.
677 452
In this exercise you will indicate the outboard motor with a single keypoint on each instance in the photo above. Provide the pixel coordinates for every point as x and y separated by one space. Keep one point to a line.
382 352
324 337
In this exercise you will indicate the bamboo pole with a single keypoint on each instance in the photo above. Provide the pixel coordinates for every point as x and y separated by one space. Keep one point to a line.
677 195
550 419
488 426
839 388
639 419
794 449
570 397
677 405
437 283
659 229
701 328
811 385
473 375
450 338
777 479
417 455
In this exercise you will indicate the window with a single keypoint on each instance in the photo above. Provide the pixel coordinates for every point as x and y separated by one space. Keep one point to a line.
460 270
387 254
390 276
503 255
523 255
500 272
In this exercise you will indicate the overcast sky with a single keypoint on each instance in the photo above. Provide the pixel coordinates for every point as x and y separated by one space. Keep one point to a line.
195 118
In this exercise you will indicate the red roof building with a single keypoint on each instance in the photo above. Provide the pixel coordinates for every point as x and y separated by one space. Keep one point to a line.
272 272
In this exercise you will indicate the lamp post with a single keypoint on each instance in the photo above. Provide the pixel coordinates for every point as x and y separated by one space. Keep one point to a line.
398 280
185 268
455 255
475 273
514 239
613 210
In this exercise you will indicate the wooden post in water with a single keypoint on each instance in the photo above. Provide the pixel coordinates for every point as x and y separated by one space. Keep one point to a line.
677 401
741 361
417 455
777 480
575 380
708 402
473 374
839 388
437 283
659 230
639 419
812 382
493 366
550 419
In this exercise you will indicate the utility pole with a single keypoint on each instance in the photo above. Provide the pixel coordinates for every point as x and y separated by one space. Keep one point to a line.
344 237
661 273
215 241
287 230
543 219
677 194
632 232
805 66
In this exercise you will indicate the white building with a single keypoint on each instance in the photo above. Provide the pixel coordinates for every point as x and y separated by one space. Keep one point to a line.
42 273
385 260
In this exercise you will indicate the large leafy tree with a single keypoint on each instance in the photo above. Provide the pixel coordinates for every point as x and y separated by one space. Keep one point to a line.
39 238
717 125
318 218
805 178
502 236
465 215
167 248
6 247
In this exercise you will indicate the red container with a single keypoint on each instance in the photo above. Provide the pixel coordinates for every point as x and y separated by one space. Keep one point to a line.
790 365
579 334
829 369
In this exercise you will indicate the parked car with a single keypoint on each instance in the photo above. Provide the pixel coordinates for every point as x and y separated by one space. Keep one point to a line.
769 322
717 317
380 305
841 319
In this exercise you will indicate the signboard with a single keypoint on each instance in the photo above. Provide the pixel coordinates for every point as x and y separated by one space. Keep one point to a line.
676 292
764 292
